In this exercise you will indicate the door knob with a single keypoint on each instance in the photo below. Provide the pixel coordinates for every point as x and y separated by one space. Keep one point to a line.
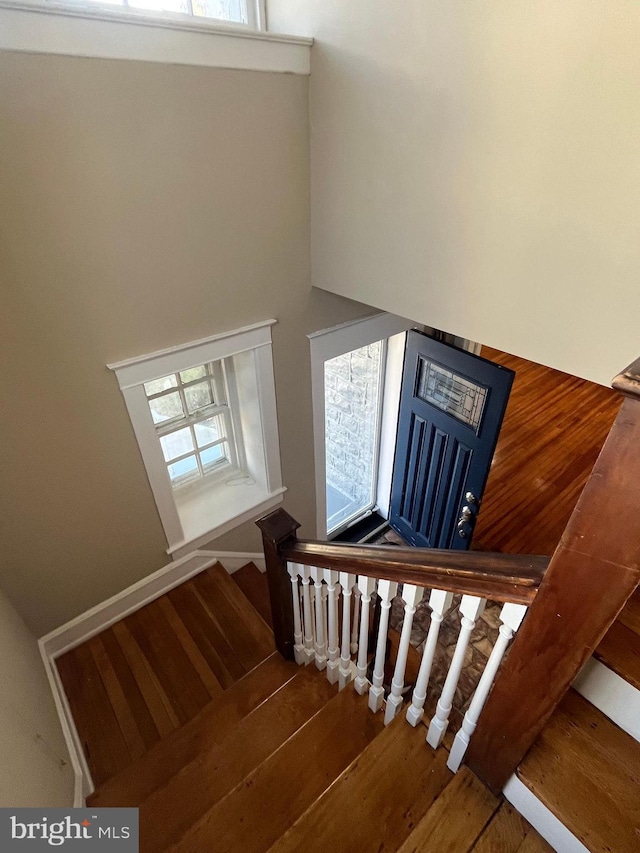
470 497
466 513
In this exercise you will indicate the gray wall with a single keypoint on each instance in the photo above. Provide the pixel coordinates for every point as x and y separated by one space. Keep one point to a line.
475 168
141 206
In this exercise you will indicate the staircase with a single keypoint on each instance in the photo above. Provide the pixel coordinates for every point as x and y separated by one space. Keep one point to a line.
283 761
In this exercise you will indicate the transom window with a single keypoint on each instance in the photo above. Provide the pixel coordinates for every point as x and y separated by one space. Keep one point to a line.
193 422
243 13
232 11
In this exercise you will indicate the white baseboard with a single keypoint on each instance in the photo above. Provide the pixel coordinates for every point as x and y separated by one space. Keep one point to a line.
541 818
102 616
611 694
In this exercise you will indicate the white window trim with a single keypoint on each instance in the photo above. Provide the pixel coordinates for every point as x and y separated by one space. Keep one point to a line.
187 525
329 343
72 30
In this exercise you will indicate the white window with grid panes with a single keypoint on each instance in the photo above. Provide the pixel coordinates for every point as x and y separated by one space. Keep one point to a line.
194 423
204 416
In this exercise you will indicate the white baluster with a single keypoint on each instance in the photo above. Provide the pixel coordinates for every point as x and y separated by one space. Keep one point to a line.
347 582
470 607
321 645
309 653
367 587
298 647
439 602
386 590
325 596
412 596
511 616
333 591
356 620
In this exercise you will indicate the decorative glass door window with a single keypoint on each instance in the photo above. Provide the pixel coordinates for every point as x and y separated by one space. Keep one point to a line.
193 422
451 393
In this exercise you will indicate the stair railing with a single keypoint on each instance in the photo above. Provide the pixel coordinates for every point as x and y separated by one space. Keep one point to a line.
307 579
572 603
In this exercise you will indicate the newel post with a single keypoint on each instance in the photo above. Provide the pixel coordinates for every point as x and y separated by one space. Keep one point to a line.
277 529
592 573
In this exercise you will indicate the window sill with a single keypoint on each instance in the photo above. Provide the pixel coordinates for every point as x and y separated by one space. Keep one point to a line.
228 505
105 34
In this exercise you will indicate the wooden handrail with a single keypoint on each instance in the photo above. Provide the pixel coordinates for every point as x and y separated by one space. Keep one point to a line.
594 570
501 577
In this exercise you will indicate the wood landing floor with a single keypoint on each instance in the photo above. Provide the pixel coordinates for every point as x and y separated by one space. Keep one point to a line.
553 430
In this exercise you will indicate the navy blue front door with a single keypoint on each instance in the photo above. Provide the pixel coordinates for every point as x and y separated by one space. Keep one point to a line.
451 408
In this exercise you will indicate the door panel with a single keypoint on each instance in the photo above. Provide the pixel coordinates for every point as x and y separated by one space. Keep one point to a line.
451 409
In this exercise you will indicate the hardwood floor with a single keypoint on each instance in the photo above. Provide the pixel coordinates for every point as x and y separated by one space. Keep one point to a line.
149 674
552 433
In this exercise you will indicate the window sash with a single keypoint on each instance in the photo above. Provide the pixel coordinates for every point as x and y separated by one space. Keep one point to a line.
218 378
252 11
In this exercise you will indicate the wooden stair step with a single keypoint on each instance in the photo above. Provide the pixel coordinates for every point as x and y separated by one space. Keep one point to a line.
457 818
255 587
509 832
586 770
378 799
619 650
239 622
210 727
262 808
169 812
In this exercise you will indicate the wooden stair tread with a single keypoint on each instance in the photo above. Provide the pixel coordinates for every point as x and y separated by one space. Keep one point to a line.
378 800
587 772
210 727
253 816
630 615
169 812
534 843
619 650
239 622
440 830
509 832
255 587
